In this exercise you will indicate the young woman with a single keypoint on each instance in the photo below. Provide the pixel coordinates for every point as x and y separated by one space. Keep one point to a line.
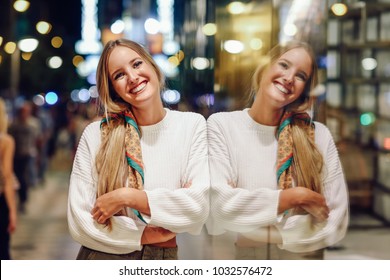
140 176
275 174
8 209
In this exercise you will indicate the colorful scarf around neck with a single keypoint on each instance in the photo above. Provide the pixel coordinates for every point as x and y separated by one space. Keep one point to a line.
132 148
285 145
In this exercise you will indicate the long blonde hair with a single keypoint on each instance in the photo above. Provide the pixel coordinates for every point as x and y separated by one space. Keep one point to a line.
308 161
111 164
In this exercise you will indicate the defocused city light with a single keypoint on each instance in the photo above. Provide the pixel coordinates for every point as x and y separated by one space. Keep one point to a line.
91 78
369 63
117 27
339 9
77 59
256 44
26 56
84 95
10 47
38 100
180 55
21 5
386 143
170 70
93 92
90 33
87 66
200 63
233 46
209 29
236 7
205 100
74 95
56 42
174 60
171 96
170 48
43 27
152 26
28 44
367 119
1 40
290 29
54 62
51 98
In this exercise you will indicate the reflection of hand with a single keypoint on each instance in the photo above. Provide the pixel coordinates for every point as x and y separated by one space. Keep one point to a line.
302 198
157 236
318 212
313 203
108 205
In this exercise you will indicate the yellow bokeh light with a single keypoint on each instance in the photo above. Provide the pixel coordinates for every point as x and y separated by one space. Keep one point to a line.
21 5
209 29
174 60
77 59
26 56
339 9
56 42
236 7
180 55
43 27
10 47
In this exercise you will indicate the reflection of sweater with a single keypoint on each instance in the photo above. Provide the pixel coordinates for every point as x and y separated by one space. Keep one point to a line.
244 192
174 153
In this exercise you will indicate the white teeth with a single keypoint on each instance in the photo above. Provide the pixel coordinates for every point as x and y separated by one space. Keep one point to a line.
139 88
282 88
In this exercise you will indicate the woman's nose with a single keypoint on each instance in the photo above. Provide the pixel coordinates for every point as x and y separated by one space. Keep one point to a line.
133 76
288 77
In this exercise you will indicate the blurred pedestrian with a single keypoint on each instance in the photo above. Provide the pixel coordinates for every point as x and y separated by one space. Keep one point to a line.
140 175
8 209
25 129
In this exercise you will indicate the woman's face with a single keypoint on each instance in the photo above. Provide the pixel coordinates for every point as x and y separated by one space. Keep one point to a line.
133 79
284 81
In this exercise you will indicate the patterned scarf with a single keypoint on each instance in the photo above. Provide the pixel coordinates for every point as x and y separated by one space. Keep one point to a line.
285 145
132 148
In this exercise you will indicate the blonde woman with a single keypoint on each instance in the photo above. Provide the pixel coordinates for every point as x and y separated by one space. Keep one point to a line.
140 175
8 209
276 177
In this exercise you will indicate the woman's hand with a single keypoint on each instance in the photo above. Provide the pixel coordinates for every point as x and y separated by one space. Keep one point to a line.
158 236
310 201
109 204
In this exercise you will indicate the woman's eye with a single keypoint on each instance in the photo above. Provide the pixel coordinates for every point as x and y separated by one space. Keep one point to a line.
302 77
283 64
117 76
137 64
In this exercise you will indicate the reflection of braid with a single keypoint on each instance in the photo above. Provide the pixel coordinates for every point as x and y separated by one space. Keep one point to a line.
132 147
286 149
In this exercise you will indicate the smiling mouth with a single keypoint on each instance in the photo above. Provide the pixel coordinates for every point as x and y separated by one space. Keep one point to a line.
137 89
282 88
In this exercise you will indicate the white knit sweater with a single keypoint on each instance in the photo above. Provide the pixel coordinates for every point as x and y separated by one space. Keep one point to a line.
244 193
174 153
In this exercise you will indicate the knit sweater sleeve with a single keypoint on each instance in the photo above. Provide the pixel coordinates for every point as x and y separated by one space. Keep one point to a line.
126 232
301 233
185 208
234 208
